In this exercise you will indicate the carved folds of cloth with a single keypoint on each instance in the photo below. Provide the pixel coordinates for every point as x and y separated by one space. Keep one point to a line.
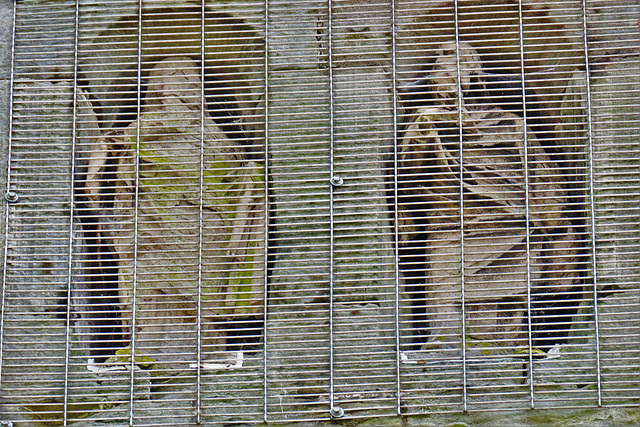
511 227
182 206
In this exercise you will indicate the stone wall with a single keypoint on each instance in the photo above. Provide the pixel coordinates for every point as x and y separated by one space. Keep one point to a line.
359 311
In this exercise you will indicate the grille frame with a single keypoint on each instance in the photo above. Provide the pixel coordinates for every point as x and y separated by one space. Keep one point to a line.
335 264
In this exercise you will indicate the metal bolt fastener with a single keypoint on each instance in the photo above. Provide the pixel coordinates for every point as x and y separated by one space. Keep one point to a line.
11 197
337 412
337 180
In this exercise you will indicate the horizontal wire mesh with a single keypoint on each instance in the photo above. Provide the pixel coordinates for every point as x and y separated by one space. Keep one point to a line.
239 212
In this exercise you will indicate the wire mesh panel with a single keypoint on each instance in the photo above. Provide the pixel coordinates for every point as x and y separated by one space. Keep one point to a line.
246 212
494 219
146 157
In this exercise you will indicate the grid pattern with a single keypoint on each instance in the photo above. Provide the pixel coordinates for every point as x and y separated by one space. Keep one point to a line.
244 212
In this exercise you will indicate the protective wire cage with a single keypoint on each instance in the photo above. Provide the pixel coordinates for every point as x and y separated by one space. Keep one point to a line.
227 212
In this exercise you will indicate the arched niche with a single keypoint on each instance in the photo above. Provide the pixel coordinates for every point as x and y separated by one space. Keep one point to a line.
117 51
513 40
233 55
551 51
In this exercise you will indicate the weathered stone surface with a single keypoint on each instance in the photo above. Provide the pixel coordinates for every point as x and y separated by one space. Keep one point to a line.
38 282
297 327
297 35
4 150
613 29
6 18
51 52
616 161
167 231
300 156
41 175
578 417
299 320
235 60
425 25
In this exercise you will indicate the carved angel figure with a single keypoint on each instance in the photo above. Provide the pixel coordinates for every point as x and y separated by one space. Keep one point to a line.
481 240
164 192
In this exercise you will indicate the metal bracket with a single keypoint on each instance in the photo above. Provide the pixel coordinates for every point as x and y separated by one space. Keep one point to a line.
337 180
337 412
11 196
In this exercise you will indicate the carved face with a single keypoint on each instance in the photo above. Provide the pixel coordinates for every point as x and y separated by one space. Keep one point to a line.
447 67
174 82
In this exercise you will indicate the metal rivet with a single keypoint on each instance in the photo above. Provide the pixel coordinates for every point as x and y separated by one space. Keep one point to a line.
337 180
11 197
337 412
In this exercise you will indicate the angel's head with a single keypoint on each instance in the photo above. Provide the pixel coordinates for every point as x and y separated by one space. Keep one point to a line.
439 86
174 77
453 63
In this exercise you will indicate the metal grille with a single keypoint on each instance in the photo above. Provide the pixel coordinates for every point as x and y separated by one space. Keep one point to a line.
238 212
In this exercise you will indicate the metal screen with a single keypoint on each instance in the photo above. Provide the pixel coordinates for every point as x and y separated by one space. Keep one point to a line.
234 211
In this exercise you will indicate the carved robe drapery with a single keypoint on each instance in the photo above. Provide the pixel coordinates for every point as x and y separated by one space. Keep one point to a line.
506 206
183 209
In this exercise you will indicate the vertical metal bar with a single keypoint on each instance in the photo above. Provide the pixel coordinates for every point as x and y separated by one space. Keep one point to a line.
396 246
203 109
592 209
526 204
265 384
135 217
74 127
331 197
8 188
462 242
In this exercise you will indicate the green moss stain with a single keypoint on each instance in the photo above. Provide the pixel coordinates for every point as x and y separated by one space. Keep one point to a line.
123 357
52 413
172 188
